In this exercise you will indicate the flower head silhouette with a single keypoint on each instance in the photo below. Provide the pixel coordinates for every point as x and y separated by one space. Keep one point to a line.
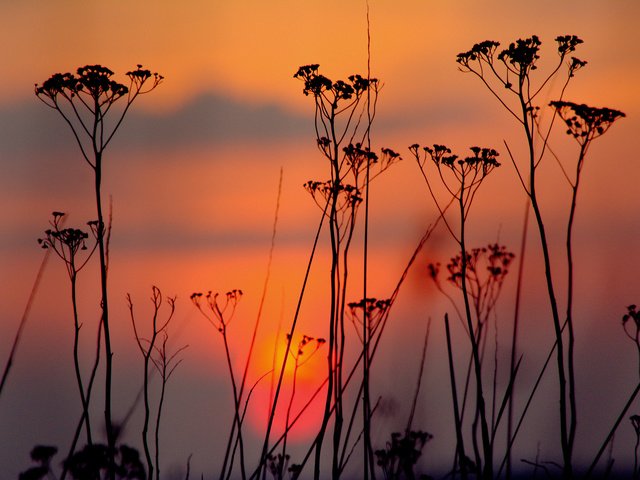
585 123
218 312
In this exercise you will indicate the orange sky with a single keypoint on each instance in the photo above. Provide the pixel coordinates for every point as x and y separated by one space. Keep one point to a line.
194 175
247 49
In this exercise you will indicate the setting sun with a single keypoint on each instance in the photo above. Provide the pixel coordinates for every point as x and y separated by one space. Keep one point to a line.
308 373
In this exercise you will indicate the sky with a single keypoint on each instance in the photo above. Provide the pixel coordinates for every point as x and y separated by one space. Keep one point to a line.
193 175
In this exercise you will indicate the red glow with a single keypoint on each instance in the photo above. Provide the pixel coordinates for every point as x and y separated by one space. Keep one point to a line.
306 403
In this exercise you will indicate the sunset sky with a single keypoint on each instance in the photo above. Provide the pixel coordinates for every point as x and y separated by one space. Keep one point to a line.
194 172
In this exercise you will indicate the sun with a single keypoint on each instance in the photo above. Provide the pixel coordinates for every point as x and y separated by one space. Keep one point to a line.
300 403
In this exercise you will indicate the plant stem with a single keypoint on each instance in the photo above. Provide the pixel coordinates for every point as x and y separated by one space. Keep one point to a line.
480 403
528 124
569 320
236 402
632 397
514 338
111 440
461 456
76 359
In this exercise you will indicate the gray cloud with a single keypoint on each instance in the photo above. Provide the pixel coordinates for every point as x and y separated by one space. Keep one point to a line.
208 119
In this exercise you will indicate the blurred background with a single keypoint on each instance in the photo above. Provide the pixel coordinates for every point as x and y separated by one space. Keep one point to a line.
193 175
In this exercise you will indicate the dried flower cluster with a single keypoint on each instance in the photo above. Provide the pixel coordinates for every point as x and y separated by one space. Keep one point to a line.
586 123
96 82
317 84
68 242
305 342
369 312
519 58
218 313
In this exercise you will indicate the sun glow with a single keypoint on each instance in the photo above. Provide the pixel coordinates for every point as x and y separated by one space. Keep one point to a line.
300 398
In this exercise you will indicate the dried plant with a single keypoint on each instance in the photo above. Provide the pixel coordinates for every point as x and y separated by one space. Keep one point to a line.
340 136
154 352
68 244
219 312
508 74
461 178
87 103
306 348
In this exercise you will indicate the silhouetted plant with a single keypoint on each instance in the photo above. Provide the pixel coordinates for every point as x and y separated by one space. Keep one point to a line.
635 423
41 454
306 348
632 316
368 313
219 314
339 110
381 308
511 70
93 462
164 363
85 101
631 327
67 243
294 471
399 457
433 272
584 124
278 464
23 322
487 268
397 460
462 177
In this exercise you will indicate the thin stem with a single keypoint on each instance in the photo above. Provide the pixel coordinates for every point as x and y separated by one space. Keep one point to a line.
265 445
111 439
516 321
76 359
570 280
366 402
287 425
419 380
23 320
92 378
632 397
480 403
461 456
236 402
259 315
564 439
158 416
527 405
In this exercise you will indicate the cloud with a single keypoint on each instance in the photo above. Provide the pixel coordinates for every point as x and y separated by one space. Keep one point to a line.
207 119
213 119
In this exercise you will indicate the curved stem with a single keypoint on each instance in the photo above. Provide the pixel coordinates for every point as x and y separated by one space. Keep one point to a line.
76 359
